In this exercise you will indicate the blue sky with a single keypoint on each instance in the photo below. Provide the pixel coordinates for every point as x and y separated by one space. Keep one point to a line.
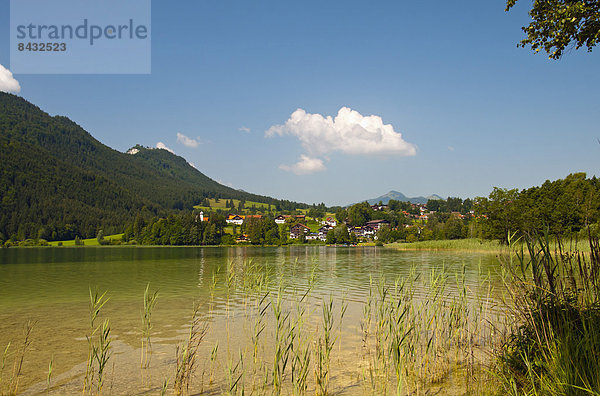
475 110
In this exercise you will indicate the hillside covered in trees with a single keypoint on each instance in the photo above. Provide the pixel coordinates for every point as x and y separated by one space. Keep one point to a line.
58 182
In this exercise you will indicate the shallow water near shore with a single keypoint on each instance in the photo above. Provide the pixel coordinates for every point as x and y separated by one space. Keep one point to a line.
50 287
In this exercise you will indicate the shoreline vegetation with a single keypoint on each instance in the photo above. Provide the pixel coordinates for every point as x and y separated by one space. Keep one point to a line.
567 208
89 242
553 341
486 246
466 245
473 245
479 225
470 245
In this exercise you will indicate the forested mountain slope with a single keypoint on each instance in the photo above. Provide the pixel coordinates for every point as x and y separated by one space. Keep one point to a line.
57 181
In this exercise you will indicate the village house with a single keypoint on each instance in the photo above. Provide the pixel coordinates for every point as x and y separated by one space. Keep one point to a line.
313 236
378 208
242 238
297 230
457 215
200 217
235 219
409 215
377 224
330 221
362 231
325 229
323 232
281 218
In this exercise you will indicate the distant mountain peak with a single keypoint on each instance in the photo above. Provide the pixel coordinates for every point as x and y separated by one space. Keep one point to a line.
398 196
435 196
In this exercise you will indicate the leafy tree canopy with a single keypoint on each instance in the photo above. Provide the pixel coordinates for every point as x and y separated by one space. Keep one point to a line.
558 24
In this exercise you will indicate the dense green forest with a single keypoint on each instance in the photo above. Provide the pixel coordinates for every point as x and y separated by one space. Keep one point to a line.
58 182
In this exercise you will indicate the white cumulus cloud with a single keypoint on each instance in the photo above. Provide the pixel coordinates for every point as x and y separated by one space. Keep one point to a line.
244 129
7 82
161 145
349 132
305 166
186 141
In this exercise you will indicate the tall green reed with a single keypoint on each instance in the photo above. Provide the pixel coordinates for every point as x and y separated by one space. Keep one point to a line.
49 376
5 356
102 353
186 354
324 347
554 345
283 340
99 344
12 385
146 349
413 341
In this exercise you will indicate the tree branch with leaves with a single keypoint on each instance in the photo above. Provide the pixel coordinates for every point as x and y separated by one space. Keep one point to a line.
561 24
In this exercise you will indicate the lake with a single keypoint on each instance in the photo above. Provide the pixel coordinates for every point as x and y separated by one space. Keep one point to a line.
249 301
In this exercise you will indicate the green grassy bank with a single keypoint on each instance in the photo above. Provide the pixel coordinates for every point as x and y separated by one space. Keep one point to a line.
87 242
483 245
455 244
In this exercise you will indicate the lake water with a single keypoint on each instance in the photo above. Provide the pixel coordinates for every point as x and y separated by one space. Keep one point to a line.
50 287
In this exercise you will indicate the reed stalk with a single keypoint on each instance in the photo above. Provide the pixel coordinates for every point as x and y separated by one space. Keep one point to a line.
324 347
213 359
283 340
164 387
96 303
13 386
554 345
49 376
300 347
146 349
5 356
187 354
102 353
235 376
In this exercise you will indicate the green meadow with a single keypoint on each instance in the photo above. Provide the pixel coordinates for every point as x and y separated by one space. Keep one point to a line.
87 242
222 204
483 245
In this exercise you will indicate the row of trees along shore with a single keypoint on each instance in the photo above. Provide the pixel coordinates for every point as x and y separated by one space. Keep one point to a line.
567 207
